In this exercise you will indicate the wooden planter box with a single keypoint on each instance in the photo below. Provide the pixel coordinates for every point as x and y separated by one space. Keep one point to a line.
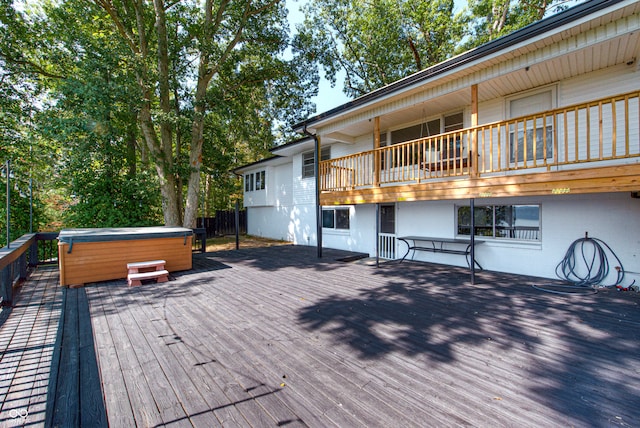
92 255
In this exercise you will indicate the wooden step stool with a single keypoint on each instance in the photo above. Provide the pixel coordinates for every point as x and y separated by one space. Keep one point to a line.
140 271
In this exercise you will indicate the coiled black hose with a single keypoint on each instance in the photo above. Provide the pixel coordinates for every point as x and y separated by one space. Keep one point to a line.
595 267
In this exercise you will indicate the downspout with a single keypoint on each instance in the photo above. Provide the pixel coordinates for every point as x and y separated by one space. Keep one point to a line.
237 215
316 169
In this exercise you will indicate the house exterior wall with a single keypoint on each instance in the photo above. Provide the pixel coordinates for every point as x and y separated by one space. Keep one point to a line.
612 217
507 75
290 215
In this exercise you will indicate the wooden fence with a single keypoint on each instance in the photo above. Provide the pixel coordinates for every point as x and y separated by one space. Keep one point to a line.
224 223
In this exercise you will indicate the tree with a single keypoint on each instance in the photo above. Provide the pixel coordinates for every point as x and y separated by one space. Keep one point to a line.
29 156
195 44
186 87
376 42
487 20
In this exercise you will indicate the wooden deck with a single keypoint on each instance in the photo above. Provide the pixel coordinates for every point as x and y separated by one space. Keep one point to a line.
275 337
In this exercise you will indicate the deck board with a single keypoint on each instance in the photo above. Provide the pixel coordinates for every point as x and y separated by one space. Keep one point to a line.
27 339
277 337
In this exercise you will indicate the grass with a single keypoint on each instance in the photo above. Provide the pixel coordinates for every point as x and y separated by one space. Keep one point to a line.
224 243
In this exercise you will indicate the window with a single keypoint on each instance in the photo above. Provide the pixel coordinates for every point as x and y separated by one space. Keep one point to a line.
260 180
335 218
254 181
388 219
308 159
521 222
448 149
531 132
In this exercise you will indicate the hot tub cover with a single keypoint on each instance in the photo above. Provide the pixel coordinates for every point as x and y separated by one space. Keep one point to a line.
69 236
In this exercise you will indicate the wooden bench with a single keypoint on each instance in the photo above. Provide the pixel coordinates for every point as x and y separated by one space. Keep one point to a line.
141 271
440 245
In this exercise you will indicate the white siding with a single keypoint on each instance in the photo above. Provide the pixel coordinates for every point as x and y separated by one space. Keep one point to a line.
361 235
611 81
613 218
292 216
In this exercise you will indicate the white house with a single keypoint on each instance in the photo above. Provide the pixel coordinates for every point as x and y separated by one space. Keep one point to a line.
539 130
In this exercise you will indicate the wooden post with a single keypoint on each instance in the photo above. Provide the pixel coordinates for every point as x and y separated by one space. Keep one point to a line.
474 135
376 153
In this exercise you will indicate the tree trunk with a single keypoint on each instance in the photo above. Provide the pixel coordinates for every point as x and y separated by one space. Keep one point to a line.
195 157
170 203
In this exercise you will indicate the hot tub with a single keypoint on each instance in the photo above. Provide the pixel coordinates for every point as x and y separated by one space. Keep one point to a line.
92 255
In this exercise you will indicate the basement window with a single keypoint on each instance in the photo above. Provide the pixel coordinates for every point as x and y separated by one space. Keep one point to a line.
335 218
517 222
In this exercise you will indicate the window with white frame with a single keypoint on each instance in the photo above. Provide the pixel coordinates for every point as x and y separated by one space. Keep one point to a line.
335 218
518 222
254 181
308 160
531 137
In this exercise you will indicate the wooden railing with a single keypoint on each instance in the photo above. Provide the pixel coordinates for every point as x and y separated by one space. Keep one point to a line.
29 250
603 130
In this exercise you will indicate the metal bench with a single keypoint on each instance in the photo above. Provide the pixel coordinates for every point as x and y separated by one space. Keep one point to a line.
440 245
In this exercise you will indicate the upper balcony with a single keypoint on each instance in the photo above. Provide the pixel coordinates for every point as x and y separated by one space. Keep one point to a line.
584 148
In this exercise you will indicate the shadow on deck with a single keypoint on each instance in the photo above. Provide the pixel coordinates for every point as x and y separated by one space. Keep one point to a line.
276 337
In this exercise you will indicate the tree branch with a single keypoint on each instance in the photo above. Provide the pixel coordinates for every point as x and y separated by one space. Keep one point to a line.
126 33
34 68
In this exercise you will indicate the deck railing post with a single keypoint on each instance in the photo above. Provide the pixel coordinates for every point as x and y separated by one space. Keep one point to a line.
376 153
6 286
33 252
22 266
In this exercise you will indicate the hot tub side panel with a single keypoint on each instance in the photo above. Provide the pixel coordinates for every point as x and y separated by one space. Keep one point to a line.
107 260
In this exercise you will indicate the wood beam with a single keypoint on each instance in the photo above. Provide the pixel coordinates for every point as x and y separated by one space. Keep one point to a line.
596 180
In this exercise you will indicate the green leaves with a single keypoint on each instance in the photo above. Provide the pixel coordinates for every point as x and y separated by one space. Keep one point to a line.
376 42
489 19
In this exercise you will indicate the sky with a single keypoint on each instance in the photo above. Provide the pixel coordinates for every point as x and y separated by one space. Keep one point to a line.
328 97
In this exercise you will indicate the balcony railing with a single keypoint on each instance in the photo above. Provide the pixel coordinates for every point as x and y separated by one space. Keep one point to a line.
601 131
